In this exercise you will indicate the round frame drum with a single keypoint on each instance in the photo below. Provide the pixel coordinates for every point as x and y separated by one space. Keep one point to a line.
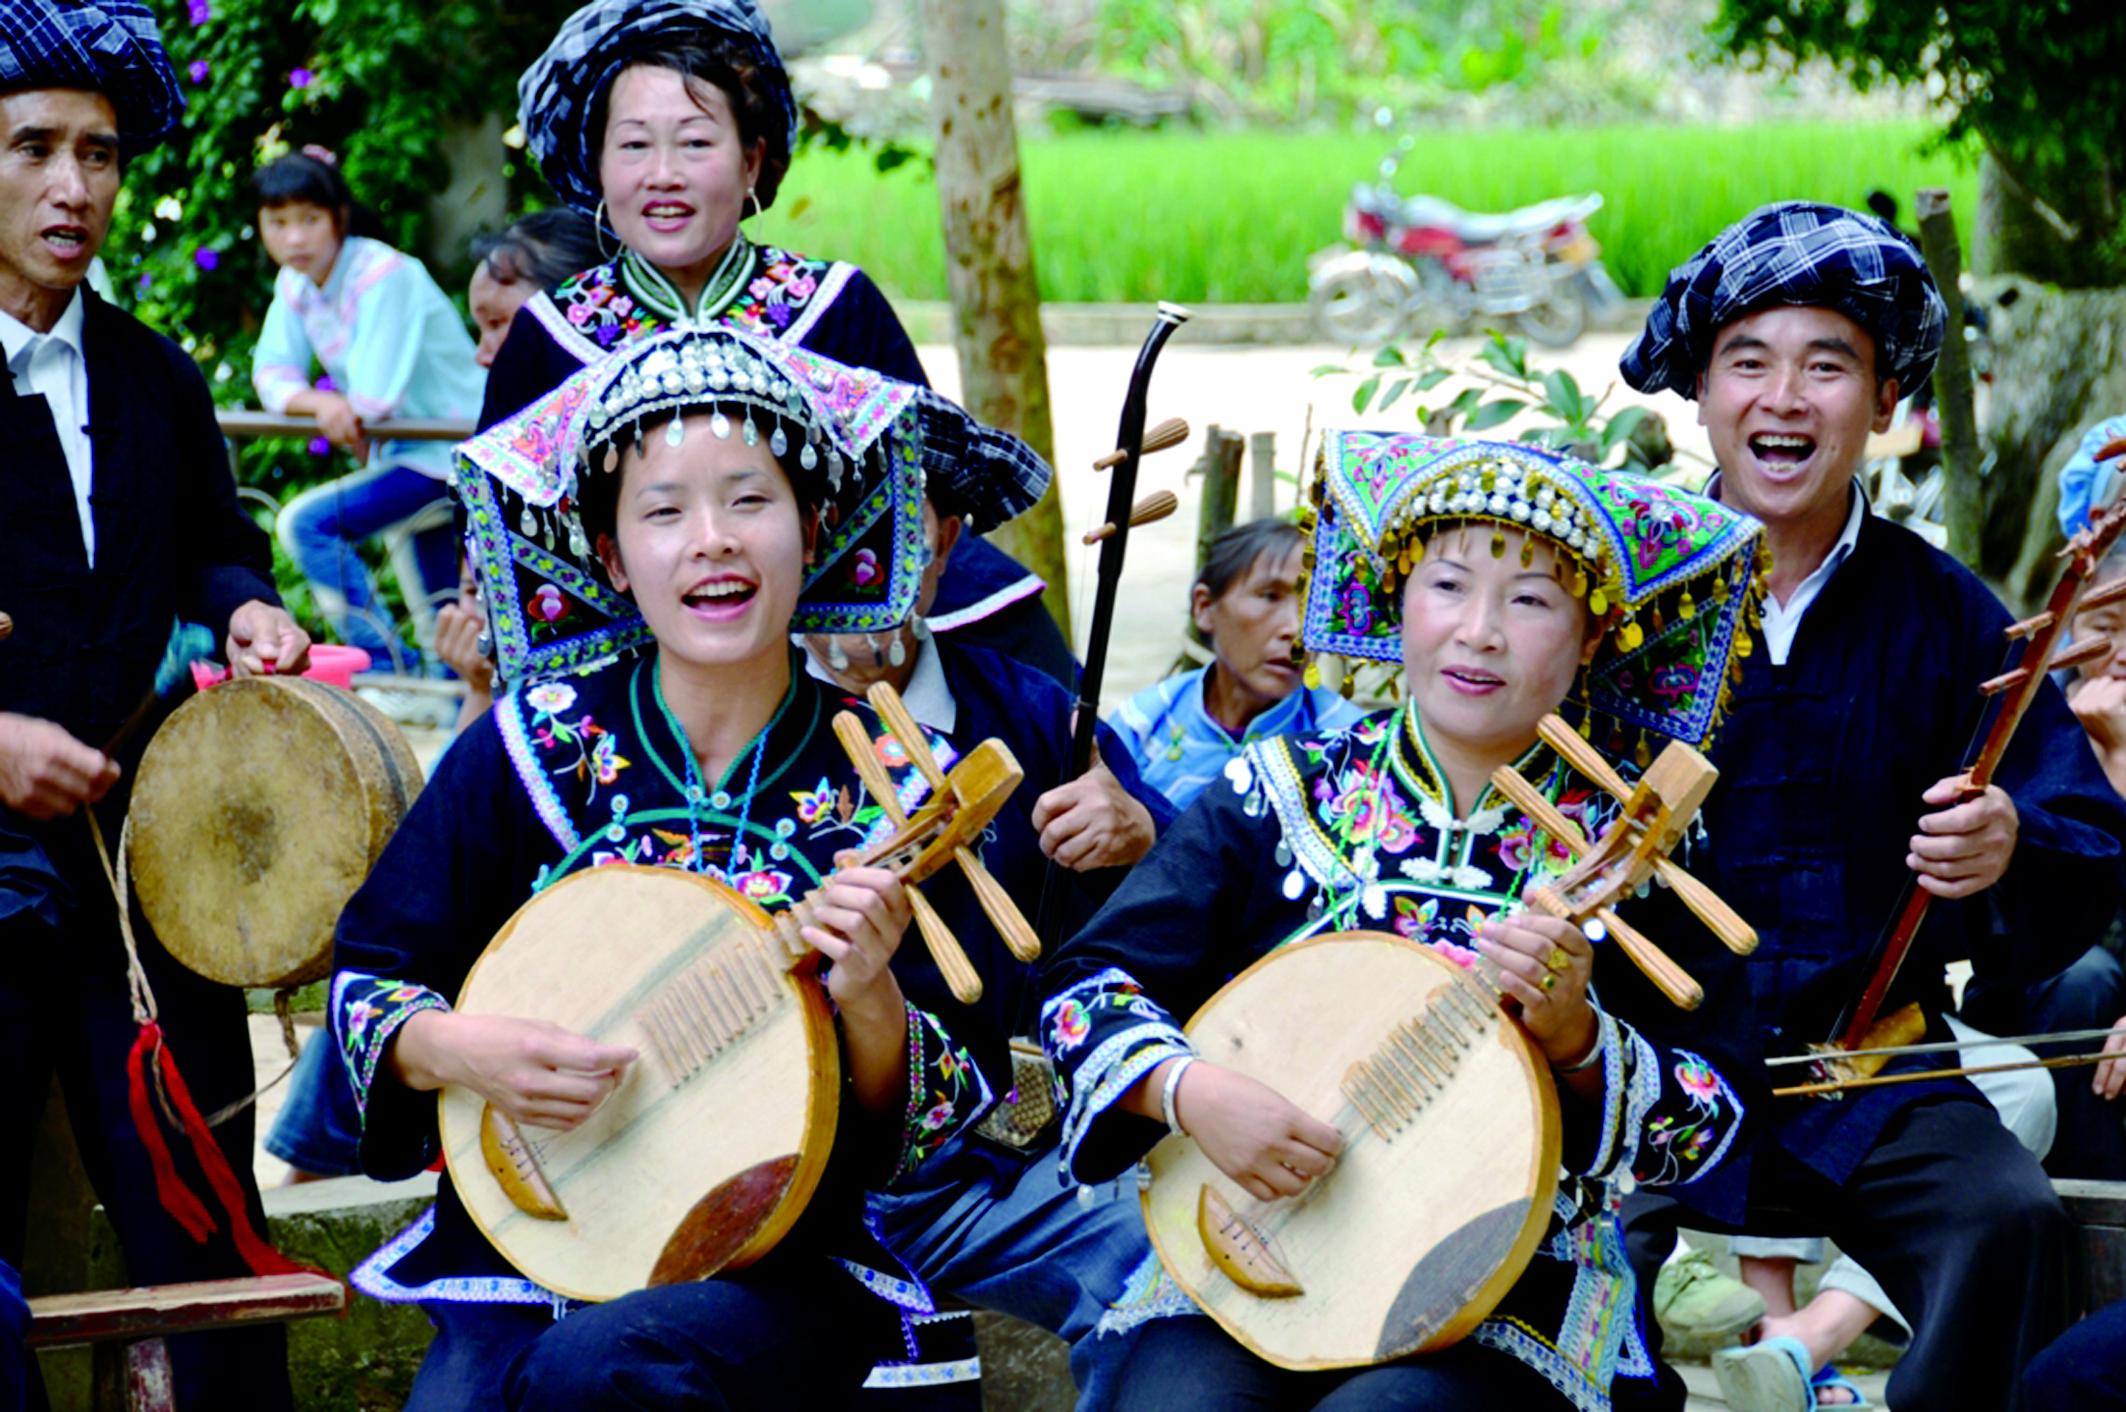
259 808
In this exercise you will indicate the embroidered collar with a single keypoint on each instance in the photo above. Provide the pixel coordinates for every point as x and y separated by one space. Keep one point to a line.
653 290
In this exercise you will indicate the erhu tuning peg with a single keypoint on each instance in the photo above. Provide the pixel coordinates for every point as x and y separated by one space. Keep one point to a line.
1171 432
1155 506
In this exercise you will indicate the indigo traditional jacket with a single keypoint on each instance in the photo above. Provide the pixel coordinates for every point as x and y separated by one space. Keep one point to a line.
828 306
1350 830
1822 765
578 772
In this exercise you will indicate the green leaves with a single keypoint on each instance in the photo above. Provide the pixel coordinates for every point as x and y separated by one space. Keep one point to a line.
1500 387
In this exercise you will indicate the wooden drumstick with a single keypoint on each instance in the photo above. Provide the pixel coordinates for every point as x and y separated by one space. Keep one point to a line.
1004 914
945 948
1155 506
1171 432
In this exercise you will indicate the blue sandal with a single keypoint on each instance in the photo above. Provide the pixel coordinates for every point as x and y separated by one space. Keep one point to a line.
1828 1376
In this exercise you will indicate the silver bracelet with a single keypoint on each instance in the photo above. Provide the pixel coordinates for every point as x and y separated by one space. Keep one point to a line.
1166 1094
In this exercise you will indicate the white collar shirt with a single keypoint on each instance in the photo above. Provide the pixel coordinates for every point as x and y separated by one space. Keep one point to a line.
54 367
928 697
1783 620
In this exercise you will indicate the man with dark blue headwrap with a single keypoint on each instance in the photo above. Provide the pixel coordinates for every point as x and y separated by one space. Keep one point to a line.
1796 331
120 512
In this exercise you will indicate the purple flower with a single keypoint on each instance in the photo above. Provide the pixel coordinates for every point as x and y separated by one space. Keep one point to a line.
199 11
206 259
198 67
320 447
147 282
326 384
300 78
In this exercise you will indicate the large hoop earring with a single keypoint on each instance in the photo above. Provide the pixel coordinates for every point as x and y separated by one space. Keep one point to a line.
755 199
598 232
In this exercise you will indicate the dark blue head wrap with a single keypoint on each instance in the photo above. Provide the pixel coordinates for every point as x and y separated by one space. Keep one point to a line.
110 47
557 93
1794 252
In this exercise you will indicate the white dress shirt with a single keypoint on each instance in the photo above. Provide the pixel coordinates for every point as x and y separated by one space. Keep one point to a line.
53 366
1783 620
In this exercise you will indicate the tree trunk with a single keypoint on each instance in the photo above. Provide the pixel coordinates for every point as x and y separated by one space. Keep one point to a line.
1964 497
2011 236
996 304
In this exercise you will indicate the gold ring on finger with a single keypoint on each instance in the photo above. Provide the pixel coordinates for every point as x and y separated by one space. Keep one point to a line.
1550 981
1559 959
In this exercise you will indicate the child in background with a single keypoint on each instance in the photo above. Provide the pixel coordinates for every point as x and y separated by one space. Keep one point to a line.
392 347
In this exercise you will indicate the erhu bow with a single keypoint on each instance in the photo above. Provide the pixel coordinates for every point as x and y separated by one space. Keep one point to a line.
1864 1027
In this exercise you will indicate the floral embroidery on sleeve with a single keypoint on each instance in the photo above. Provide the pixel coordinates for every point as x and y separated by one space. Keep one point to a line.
1103 1034
946 1092
1666 1113
366 1012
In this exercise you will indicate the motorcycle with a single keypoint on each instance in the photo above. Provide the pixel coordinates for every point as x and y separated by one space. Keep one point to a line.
1413 256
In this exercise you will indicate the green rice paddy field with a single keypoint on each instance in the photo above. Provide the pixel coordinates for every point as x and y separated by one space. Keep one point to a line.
1231 217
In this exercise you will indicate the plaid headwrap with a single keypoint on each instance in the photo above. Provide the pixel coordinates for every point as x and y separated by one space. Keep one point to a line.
557 93
1673 575
110 47
1794 252
859 446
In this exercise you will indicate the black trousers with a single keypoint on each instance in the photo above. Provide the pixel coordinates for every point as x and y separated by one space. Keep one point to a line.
1189 1362
791 1332
1955 1219
64 1010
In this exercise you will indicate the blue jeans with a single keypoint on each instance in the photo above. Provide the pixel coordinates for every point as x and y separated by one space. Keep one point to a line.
319 1129
1004 1231
321 528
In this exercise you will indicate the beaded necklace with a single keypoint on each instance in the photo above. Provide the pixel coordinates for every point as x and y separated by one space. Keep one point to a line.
654 290
720 800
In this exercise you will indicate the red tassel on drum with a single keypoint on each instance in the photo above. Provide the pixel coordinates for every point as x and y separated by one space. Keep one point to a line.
177 1198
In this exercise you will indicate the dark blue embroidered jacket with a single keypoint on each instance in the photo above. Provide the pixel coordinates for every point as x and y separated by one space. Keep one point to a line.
571 774
1351 830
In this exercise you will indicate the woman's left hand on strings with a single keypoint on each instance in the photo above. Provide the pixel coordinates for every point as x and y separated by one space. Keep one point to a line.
858 918
1545 965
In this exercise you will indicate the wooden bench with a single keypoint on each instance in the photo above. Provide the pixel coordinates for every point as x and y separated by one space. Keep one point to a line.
128 1326
2099 1208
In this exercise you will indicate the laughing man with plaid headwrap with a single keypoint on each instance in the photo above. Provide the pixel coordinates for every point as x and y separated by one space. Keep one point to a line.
119 513
1796 331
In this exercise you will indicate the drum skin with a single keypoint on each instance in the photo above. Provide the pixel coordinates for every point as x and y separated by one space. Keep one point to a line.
260 807
705 1155
1412 1239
